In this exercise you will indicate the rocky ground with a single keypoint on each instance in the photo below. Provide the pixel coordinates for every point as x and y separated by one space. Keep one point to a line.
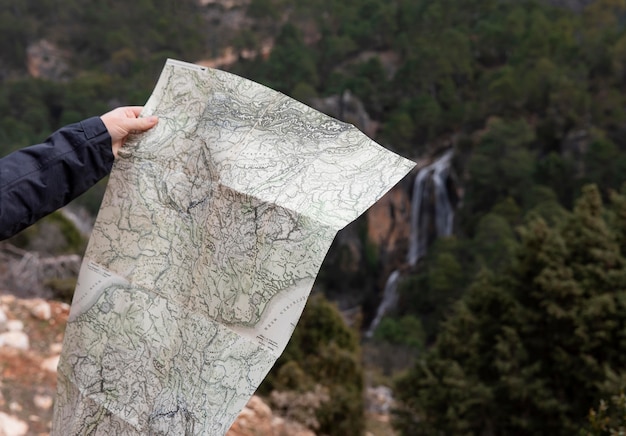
31 334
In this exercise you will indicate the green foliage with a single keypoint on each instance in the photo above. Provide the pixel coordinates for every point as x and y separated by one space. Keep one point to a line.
500 167
530 349
262 9
399 130
323 351
605 164
494 242
546 207
303 92
558 173
112 47
291 62
17 29
520 81
430 293
609 419
99 31
406 330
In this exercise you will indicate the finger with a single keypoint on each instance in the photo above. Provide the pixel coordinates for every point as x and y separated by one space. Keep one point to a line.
140 124
133 111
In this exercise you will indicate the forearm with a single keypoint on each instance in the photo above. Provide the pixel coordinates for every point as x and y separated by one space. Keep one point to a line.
37 180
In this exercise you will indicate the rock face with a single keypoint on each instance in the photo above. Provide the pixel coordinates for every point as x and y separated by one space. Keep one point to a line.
389 225
257 419
230 56
348 108
46 61
28 272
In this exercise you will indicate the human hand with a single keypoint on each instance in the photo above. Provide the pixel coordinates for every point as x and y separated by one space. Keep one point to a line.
122 121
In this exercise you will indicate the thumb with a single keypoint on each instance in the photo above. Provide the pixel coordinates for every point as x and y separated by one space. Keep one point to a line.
140 124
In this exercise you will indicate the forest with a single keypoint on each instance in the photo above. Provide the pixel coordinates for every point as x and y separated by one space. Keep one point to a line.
514 324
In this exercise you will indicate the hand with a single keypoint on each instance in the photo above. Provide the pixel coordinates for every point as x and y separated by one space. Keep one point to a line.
122 121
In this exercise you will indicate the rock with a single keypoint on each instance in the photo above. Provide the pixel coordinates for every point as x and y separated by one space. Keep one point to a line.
56 348
258 407
257 419
12 426
14 339
41 310
50 364
15 325
389 225
46 61
281 426
348 108
43 402
300 407
379 400
254 419
7 299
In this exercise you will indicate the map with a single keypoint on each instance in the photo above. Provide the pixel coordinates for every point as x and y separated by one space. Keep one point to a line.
212 230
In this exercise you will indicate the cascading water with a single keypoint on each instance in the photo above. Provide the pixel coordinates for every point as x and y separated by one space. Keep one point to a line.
390 299
429 185
435 173
417 246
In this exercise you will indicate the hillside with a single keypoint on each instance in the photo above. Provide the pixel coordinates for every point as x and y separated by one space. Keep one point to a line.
511 108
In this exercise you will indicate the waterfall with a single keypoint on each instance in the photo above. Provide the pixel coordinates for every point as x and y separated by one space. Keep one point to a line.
430 199
417 247
435 173
389 301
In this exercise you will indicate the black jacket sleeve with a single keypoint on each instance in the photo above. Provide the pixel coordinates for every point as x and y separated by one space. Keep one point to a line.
37 180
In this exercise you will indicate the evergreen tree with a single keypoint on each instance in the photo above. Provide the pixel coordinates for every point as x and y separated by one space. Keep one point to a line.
501 166
291 61
530 350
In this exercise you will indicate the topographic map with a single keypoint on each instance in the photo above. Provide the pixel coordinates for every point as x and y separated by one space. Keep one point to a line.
209 238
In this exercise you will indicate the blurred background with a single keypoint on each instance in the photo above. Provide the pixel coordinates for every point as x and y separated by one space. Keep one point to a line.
484 295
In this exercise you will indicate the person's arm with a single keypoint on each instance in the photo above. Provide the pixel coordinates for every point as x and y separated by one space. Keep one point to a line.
37 180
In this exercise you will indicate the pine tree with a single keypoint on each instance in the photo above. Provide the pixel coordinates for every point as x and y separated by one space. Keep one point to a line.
449 392
531 350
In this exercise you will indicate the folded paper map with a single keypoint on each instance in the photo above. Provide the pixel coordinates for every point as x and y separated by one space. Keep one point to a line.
211 233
